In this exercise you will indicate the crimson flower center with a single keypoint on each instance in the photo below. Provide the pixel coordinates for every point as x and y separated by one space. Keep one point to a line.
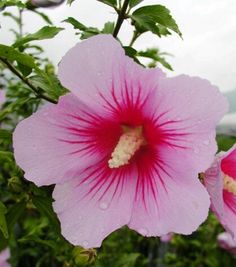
129 143
229 184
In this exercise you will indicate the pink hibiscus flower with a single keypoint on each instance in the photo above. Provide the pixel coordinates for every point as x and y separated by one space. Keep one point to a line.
4 257
220 181
226 242
125 148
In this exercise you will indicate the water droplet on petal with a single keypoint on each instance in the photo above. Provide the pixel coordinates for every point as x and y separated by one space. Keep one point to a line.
85 244
103 205
143 231
196 150
206 142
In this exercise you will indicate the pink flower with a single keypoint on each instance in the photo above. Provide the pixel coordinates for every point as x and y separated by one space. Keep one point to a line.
220 181
125 148
226 242
4 257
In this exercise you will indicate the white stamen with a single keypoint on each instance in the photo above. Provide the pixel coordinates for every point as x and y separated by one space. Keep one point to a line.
230 184
129 142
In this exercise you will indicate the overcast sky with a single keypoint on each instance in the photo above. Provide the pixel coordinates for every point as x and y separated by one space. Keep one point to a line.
208 26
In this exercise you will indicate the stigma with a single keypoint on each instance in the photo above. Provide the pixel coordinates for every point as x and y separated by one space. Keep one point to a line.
130 142
230 184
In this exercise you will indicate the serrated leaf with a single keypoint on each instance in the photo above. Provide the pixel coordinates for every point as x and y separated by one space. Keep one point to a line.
75 23
108 27
3 222
47 32
48 83
153 18
11 54
134 3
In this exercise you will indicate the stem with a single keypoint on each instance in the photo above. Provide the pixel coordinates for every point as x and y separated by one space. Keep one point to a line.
20 23
26 81
121 17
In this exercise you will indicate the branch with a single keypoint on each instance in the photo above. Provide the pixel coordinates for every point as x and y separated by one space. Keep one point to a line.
121 17
27 82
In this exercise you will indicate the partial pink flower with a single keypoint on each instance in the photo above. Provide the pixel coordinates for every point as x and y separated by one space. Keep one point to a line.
166 238
226 241
4 257
2 97
220 181
124 148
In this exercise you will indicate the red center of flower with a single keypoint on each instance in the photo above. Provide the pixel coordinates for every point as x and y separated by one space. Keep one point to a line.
130 142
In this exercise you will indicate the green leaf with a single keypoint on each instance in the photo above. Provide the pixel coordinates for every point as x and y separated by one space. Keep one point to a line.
14 213
70 1
43 16
3 222
6 156
156 56
133 3
11 54
5 3
46 32
154 18
108 27
48 83
44 205
5 134
112 3
89 32
75 23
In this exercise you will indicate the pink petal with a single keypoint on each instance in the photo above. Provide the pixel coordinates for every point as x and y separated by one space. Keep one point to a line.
99 73
4 257
57 142
226 242
169 200
96 204
228 163
229 218
214 185
188 110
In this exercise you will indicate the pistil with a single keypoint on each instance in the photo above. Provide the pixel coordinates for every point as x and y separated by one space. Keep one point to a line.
130 142
230 184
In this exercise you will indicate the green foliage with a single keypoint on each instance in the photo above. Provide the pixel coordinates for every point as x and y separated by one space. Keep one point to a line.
134 3
46 32
3 223
155 18
112 3
5 3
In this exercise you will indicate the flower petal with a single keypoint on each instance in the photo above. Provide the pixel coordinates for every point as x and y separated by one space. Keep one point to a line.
57 142
228 163
188 111
99 73
94 205
169 200
214 185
